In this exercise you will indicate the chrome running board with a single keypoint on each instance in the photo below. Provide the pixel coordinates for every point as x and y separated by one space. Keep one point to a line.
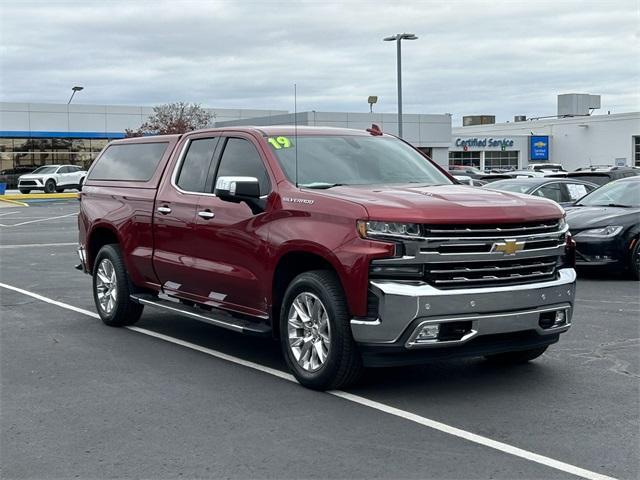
216 316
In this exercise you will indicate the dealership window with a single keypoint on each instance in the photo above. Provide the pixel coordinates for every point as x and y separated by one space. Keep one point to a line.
427 151
469 159
18 152
636 150
507 159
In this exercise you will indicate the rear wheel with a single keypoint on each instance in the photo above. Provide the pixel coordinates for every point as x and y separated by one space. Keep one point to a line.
315 333
80 184
522 356
112 289
25 191
50 186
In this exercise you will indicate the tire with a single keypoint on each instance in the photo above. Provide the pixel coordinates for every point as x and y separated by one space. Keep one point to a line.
342 364
634 261
24 191
59 190
514 358
117 310
50 186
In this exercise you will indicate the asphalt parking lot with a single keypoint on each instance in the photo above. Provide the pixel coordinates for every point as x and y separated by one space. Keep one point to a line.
173 398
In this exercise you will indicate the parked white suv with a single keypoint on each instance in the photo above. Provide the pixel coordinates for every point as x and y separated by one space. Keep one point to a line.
52 178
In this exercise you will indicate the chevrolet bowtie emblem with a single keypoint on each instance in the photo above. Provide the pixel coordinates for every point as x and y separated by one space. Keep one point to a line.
508 247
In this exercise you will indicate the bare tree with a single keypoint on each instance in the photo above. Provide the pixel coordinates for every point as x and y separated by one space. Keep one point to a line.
179 117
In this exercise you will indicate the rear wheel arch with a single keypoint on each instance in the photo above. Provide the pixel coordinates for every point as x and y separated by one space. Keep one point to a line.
98 238
289 266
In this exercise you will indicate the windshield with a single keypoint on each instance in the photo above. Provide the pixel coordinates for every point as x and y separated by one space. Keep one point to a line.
45 170
623 194
325 161
516 187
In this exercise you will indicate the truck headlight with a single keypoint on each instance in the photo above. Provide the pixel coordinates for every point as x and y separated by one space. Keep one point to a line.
603 232
374 228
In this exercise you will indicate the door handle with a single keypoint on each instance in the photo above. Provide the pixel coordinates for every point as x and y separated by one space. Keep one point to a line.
206 214
164 210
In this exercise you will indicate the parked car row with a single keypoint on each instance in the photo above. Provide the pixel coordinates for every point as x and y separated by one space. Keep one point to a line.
604 220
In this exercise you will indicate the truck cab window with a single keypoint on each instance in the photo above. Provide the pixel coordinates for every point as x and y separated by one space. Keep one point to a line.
192 175
241 159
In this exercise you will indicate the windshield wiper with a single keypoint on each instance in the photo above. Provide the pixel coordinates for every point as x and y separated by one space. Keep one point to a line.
321 185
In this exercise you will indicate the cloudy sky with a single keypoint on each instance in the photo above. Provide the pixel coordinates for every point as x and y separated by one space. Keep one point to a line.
472 57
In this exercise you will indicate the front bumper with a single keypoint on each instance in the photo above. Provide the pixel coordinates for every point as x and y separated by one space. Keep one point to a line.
600 251
405 307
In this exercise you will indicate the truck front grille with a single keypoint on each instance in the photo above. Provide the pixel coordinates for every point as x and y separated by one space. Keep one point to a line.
476 256
493 273
490 230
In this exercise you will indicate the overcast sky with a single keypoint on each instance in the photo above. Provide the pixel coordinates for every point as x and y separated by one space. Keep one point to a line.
472 57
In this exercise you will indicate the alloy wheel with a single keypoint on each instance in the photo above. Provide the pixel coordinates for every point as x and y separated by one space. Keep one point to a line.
309 331
106 286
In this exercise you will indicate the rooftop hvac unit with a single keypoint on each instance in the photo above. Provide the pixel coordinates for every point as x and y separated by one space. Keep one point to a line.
470 120
577 104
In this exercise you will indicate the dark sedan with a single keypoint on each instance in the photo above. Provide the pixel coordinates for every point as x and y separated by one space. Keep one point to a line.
561 190
606 226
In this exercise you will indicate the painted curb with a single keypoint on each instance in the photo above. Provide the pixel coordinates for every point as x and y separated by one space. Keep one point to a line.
38 196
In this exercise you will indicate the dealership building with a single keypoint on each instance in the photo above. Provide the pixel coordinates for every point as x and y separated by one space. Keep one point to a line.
574 138
39 134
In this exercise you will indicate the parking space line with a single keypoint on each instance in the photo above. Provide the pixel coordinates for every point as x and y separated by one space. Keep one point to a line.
39 220
8 213
27 245
412 417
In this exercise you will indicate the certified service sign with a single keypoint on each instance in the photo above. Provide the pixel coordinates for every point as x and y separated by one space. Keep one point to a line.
539 147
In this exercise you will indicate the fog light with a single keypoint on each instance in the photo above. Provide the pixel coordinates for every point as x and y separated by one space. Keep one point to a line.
561 318
428 332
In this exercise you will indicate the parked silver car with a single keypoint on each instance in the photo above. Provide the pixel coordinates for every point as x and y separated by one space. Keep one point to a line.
52 178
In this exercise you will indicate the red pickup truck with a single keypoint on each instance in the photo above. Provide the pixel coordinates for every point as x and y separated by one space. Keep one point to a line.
350 247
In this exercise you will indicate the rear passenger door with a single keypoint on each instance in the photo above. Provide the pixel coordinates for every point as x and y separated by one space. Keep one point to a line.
231 239
65 177
177 259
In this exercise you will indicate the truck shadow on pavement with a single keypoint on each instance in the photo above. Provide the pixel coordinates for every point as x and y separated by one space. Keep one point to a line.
457 376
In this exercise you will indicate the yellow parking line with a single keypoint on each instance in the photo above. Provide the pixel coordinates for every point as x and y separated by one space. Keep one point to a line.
38 196
13 202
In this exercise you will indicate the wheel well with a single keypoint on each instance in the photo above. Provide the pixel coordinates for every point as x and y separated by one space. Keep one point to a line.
290 266
99 238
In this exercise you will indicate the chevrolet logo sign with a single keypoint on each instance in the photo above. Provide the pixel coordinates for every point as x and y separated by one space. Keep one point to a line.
508 247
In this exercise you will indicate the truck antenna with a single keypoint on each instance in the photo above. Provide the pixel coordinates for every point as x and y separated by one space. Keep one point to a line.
295 126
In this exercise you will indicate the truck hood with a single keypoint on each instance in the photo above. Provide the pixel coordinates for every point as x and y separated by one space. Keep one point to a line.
446 204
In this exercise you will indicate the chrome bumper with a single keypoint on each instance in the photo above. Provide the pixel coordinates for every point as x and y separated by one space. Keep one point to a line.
405 307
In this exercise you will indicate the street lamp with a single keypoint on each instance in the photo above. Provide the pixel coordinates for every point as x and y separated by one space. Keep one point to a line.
75 89
398 38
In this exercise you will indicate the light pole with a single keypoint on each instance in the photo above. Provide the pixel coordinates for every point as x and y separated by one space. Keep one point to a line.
75 89
398 39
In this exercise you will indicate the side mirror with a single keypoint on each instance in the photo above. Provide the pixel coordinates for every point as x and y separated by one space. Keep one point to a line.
237 189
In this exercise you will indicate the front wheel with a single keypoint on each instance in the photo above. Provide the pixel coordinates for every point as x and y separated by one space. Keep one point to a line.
50 186
112 289
315 332
510 358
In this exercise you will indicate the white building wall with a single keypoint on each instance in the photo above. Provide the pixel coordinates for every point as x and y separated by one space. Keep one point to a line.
48 117
575 141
